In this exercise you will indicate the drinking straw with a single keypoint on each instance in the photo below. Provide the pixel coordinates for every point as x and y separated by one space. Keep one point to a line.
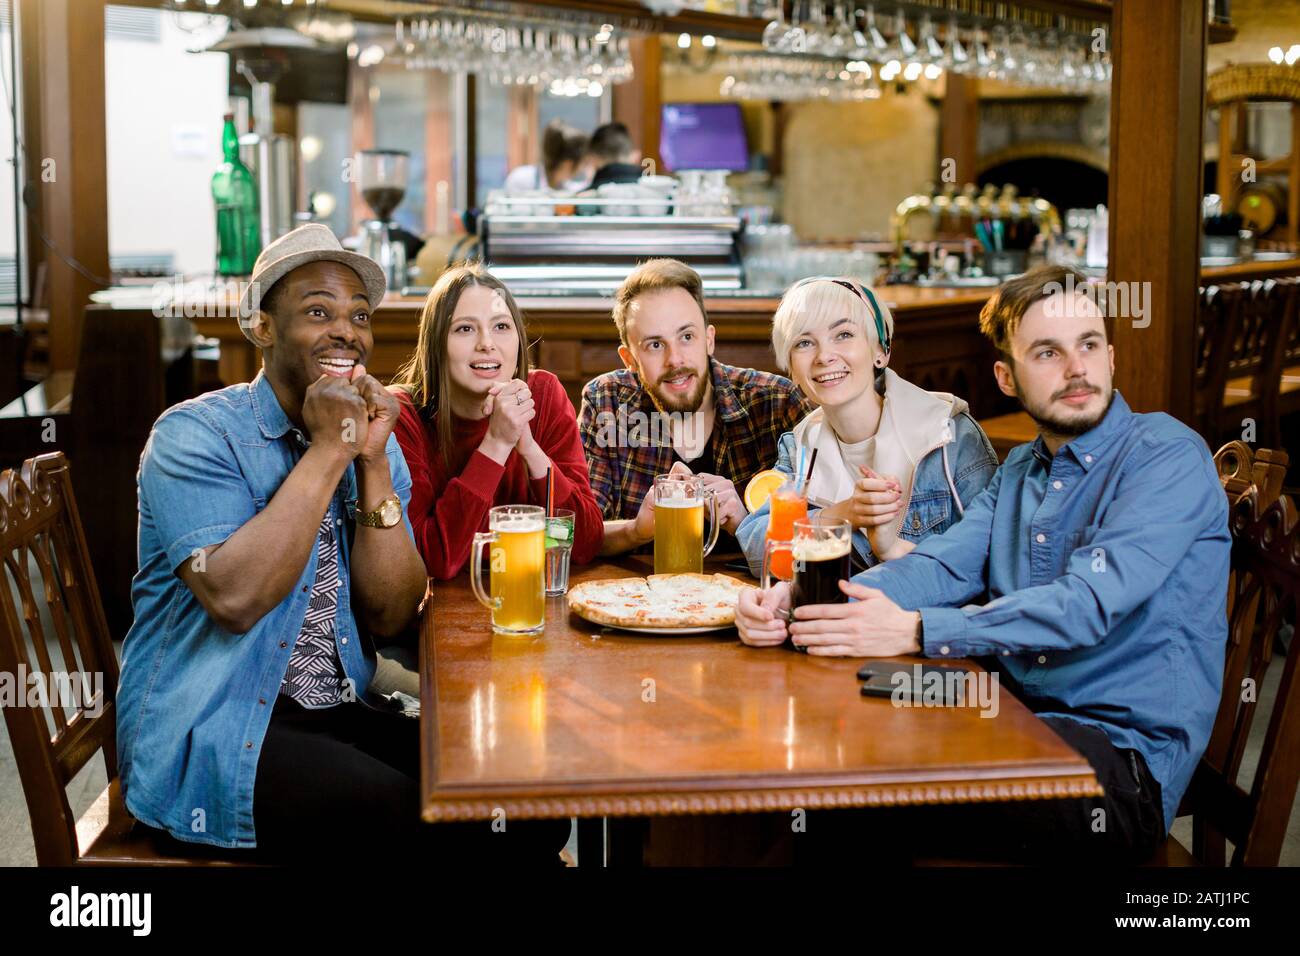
550 490
812 463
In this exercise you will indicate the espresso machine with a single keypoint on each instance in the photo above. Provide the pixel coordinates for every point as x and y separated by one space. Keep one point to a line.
382 177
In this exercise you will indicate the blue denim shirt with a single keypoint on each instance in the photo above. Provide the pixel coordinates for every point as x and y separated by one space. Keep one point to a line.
194 700
1105 570
931 509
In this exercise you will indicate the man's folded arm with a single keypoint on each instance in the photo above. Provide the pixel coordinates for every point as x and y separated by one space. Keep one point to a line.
946 569
238 562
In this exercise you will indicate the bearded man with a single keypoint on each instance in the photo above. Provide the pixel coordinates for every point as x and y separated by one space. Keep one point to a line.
1092 573
676 408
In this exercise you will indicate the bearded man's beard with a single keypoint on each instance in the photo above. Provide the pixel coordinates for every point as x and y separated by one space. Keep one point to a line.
679 403
1065 426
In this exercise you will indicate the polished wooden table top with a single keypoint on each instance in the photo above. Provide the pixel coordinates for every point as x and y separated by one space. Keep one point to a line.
588 721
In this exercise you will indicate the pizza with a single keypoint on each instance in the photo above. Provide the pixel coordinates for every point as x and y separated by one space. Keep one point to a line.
660 600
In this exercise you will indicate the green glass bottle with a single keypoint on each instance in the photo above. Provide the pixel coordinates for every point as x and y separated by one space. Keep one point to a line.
238 223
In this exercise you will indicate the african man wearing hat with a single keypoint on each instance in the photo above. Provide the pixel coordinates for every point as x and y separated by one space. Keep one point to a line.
274 548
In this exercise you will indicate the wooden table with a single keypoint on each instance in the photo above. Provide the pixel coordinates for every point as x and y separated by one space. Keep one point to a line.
588 722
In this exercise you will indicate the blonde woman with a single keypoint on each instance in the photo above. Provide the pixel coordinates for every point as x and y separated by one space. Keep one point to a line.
897 462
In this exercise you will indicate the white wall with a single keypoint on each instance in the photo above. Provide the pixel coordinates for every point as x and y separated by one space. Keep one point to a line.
164 110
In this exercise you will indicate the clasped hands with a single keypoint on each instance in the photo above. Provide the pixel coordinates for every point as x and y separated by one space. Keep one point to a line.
869 625
356 413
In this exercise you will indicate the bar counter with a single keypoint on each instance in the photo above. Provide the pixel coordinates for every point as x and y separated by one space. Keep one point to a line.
937 343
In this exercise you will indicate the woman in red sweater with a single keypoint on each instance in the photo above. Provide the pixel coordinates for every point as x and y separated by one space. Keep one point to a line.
479 429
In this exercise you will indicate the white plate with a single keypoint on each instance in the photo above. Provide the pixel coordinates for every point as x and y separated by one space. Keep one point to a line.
671 631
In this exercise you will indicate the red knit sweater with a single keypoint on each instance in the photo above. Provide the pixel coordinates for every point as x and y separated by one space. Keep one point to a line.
445 511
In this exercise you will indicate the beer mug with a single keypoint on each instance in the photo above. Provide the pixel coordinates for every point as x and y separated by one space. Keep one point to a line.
517 561
679 524
821 551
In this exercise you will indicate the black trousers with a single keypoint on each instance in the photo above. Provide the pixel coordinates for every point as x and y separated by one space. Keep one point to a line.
1125 826
342 783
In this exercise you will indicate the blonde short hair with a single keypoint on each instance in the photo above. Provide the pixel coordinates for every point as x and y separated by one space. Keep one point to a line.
812 302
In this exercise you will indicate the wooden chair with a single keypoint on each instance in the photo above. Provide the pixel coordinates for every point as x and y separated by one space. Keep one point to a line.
1264 587
1289 390
53 741
1216 316
1254 372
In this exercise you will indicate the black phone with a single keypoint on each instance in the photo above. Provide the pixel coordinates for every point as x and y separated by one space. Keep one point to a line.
881 680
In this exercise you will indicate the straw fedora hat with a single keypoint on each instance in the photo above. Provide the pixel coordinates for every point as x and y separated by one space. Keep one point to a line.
311 242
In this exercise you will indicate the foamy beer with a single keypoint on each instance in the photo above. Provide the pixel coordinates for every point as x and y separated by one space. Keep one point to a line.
679 524
517 560
821 557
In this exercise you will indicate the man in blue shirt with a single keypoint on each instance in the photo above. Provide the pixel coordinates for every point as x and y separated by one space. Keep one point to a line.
1098 556
274 546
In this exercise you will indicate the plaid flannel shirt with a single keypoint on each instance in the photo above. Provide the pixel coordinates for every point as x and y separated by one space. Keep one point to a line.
753 410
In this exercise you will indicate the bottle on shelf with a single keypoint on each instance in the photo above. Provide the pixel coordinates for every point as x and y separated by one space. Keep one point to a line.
235 195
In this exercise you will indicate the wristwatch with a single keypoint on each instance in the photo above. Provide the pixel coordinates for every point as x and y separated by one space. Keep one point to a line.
386 515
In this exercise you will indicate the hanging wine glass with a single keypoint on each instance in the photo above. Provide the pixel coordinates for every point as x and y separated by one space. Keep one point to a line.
815 34
774 32
879 46
904 45
843 39
930 50
955 57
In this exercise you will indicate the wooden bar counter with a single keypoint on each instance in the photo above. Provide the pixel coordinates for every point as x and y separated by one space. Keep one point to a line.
937 342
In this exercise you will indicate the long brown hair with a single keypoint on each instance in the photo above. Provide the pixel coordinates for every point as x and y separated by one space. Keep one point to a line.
425 377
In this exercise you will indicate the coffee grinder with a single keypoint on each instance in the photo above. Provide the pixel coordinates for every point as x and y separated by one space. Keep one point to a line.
382 177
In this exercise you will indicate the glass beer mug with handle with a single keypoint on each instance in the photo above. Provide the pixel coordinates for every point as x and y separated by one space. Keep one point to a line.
679 524
517 561
821 558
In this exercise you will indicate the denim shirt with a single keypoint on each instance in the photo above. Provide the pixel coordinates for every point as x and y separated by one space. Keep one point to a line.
194 701
1105 570
931 509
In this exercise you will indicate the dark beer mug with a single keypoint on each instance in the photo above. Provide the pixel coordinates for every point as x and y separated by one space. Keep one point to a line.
821 556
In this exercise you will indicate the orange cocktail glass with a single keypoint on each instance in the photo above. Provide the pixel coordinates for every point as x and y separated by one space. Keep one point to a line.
788 505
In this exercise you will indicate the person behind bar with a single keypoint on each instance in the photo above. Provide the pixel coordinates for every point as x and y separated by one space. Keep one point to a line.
479 429
611 153
895 461
674 407
1099 553
274 547
564 160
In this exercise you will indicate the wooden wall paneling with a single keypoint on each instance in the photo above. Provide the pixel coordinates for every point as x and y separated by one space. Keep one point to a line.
1157 120
64 132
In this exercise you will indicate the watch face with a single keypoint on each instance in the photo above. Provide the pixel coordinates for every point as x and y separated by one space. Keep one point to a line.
390 512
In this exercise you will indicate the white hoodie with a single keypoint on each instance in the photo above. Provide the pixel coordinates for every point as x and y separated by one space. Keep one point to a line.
913 423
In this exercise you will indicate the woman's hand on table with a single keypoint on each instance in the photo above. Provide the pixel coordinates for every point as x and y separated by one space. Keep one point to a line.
761 615
870 625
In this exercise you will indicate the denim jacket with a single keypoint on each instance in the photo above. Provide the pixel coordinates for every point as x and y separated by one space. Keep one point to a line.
932 433
194 701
